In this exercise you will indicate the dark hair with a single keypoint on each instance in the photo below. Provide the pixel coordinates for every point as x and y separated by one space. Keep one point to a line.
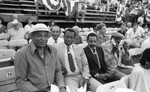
91 34
145 57
1 19
70 30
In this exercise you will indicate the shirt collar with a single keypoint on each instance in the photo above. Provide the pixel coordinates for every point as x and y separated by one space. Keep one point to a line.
33 47
69 46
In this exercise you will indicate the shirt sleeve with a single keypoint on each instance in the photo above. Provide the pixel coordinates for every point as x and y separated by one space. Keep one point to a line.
21 70
58 75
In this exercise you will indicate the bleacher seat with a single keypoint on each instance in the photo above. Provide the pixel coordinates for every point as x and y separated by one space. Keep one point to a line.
111 87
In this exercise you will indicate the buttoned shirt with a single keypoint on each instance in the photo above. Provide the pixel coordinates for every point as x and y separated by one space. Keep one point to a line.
36 73
67 66
51 41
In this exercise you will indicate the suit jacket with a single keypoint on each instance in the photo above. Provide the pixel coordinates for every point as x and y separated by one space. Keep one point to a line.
93 64
79 56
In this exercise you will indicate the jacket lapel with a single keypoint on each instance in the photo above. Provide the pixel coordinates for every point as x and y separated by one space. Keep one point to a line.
91 54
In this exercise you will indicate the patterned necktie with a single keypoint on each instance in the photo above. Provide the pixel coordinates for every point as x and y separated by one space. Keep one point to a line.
55 41
70 59
96 57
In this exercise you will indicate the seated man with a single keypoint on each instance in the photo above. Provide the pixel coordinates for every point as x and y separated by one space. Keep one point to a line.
55 40
139 79
112 54
16 36
14 17
74 64
37 65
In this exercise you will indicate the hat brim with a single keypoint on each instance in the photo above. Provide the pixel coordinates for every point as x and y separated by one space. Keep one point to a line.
34 31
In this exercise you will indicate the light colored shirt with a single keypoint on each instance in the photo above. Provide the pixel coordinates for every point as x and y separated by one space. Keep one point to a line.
145 44
10 25
16 34
141 20
28 28
51 41
67 62
131 35
35 73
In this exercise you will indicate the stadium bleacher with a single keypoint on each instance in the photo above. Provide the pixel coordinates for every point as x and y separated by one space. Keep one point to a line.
28 8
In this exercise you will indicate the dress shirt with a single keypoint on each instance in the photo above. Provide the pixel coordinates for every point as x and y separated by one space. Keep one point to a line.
51 41
28 28
35 73
74 60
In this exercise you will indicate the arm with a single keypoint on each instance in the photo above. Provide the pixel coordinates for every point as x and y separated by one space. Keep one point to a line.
59 76
21 70
85 65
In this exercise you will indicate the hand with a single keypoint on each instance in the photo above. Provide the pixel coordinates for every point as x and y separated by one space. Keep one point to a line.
103 76
85 81
62 89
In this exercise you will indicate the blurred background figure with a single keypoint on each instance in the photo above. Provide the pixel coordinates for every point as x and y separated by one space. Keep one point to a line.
14 17
78 39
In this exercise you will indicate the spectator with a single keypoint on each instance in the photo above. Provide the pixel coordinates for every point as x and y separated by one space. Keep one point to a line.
123 29
2 27
141 19
81 11
74 63
111 54
37 65
51 23
135 35
78 39
97 64
14 17
3 40
55 39
139 79
16 36
102 37
28 27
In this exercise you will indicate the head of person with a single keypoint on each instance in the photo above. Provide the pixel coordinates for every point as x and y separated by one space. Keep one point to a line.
69 36
101 28
123 27
76 29
15 24
51 23
39 35
116 38
1 20
92 40
145 60
29 20
15 16
135 26
129 24
56 31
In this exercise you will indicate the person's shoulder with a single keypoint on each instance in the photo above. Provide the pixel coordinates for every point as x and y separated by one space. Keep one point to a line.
23 50
52 48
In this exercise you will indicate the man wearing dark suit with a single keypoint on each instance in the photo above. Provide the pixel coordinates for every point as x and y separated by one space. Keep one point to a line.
95 57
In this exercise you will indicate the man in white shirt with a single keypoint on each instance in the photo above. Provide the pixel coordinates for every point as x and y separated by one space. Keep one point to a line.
135 35
74 64
55 39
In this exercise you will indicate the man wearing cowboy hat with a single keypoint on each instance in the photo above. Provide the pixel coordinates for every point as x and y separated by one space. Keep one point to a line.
111 53
37 65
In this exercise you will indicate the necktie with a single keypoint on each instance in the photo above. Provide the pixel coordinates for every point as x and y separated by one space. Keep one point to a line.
55 41
96 57
70 59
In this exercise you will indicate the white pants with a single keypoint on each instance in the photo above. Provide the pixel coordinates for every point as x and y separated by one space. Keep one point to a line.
74 82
